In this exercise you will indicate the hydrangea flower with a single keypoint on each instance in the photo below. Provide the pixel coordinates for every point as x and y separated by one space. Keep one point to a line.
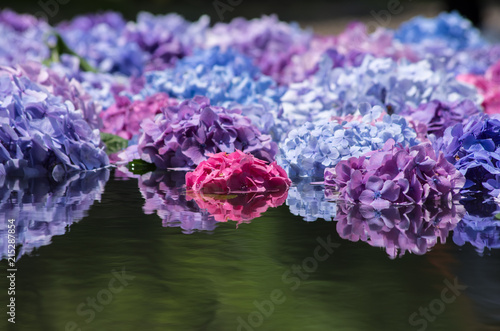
396 175
101 40
23 39
228 79
438 115
479 226
124 118
43 134
241 208
236 172
396 86
184 135
488 86
163 195
165 38
398 229
474 149
310 202
270 43
309 149
43 208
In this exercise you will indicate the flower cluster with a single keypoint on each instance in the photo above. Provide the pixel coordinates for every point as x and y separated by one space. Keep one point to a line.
43 134
124 117
228 79
311 148
310 202
474 149
488 86
236 172
241 208
45 208
183 135
398 229
162 192
396 174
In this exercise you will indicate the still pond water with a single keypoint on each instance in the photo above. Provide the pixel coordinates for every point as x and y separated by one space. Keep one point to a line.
139 255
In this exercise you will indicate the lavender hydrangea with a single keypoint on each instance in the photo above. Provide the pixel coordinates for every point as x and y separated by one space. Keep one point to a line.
184 135
24 38
474 149
396 86
42 208
43 134
101 40
228 79
311 148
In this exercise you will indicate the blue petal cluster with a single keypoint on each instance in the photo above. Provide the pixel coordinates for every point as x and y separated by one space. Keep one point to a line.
311 148
309 202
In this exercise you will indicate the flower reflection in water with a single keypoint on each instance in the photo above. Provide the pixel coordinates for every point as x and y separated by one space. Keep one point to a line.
311 201
412 228
241 208
43 208
164 194
480 226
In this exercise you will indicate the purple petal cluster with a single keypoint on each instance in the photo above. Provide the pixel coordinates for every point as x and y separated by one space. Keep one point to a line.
398 229
184 135
310 148
474 149
396 175
42 208
42 133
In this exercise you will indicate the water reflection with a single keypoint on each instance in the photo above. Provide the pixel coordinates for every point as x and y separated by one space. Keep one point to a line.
43 208
399 229
479 227
309 201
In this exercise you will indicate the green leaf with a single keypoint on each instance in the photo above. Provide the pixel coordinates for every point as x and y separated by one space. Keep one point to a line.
113 143
62 48
497 216
140 167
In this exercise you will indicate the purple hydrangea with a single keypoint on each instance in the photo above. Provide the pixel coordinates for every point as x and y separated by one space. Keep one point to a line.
396 175
398 229
395 86
42 133
42 208
184 135
474 149
309 149
164 196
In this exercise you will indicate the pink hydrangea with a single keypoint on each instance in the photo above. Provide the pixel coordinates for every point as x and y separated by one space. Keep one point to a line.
124 117
396 174
488 86
241 208
236 172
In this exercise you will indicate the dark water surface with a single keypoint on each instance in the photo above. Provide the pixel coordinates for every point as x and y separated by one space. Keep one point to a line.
214 280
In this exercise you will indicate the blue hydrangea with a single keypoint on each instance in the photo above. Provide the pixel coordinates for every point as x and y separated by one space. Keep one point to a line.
228 79
308 201
396 86
311 148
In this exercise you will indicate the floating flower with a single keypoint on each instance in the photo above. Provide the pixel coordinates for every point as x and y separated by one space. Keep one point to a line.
236 172
396 175
241 208
309 149
42 208
43 134
184 135
398 229
124 117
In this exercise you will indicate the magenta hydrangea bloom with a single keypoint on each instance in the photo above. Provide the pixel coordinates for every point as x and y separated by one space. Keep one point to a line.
236 172
398 229
396 175
184 135
124 117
